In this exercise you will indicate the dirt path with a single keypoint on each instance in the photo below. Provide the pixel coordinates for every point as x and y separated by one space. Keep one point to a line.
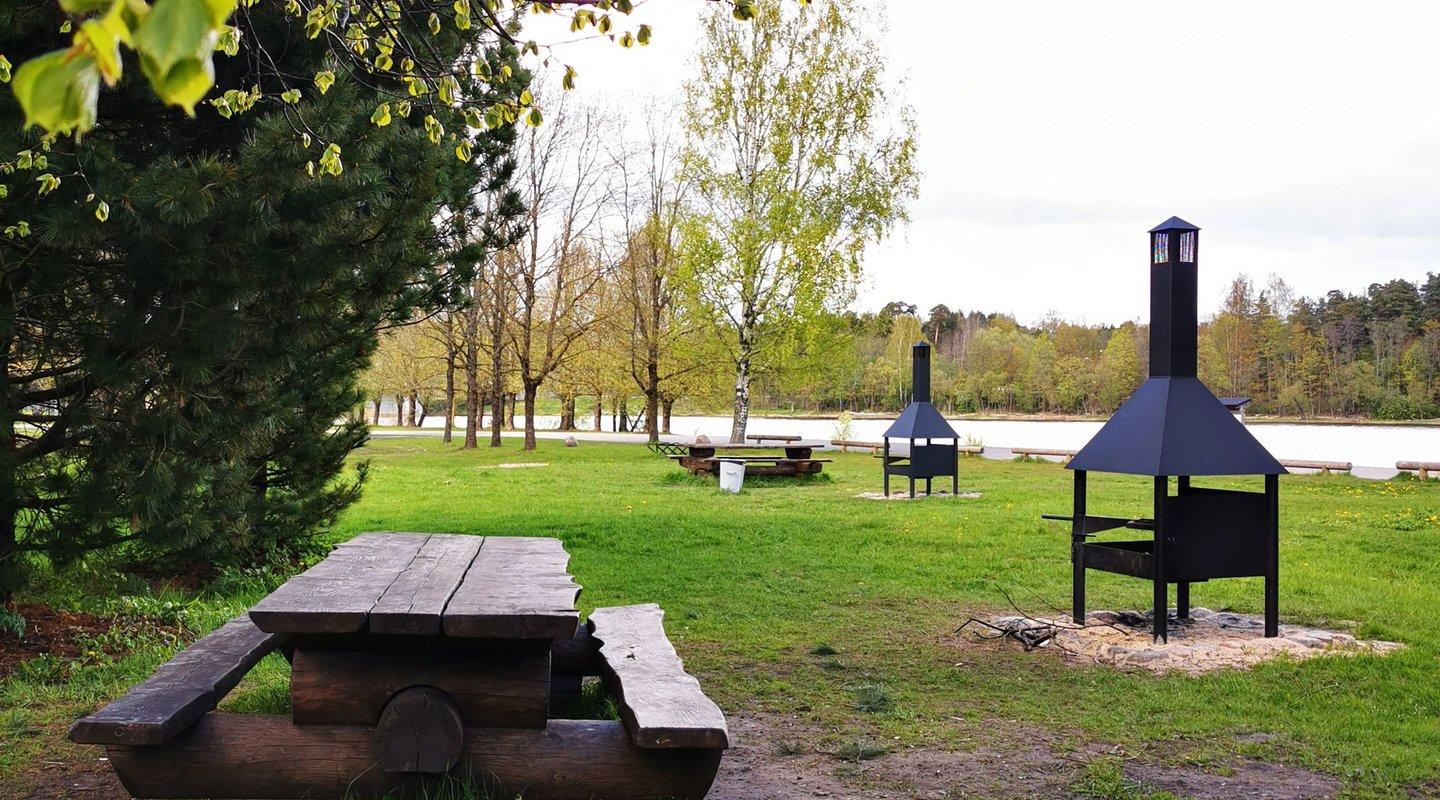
772 758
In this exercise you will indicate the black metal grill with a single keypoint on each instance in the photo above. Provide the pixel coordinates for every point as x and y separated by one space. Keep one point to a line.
919 426
1173 427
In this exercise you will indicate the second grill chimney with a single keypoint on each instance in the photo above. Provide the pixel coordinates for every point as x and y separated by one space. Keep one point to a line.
1174 252
920 373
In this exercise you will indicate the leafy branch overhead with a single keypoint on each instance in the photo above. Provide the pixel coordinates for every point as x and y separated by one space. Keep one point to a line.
380 43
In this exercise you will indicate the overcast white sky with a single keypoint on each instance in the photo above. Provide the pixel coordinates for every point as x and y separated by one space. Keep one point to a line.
1302 137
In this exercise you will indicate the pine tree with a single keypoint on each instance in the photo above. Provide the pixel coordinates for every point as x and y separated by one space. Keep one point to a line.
172 375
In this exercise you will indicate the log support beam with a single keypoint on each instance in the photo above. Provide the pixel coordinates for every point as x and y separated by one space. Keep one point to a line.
264 757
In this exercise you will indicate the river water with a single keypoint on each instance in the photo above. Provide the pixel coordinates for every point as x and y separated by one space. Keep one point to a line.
1373 449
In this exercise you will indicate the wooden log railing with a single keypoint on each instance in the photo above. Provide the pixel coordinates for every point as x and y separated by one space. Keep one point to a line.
1424 468
1030 452
762 437
1325 467
876 447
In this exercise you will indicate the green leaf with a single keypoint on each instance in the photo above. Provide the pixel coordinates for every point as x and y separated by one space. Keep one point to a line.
58 91
104 45
102 211
48 183
434 24
220 10
177 31
330 162
462 150
568 81
324 80
643 35
381 117
184 84
291 96
230 41
81 8
4 69
627 39
526 98
448 88
534 118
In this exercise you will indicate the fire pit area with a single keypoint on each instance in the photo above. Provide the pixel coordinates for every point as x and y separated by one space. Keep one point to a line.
1206 641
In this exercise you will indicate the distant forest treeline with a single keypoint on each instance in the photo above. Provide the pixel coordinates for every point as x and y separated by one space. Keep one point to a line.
1373 354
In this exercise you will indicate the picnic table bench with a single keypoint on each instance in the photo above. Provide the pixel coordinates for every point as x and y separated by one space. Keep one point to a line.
793 457
416 657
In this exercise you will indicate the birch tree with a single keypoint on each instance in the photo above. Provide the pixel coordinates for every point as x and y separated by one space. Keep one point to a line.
800 155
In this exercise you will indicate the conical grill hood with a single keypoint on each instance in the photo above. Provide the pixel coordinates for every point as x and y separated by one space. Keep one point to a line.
1173 425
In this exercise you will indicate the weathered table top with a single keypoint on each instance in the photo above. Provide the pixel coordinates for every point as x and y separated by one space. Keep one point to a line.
485 587
806 444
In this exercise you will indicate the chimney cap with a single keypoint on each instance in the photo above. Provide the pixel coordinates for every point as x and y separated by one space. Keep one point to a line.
1173 224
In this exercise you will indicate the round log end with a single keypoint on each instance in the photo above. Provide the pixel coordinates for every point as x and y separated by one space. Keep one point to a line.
420 730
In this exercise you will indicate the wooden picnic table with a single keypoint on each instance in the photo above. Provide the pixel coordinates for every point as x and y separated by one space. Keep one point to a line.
798 449
414 657
790 458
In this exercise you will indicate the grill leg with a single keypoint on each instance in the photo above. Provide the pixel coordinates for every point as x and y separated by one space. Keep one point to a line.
1077 553
955 482
1272 557
1182 600
1161 594
927 487
912 487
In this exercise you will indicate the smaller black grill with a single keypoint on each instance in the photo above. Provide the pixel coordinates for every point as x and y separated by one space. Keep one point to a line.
917 430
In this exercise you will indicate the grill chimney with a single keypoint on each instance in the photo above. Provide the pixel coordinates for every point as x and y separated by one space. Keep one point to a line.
920 373
1174 252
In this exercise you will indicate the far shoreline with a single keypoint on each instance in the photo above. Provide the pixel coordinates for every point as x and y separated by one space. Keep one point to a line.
1250 419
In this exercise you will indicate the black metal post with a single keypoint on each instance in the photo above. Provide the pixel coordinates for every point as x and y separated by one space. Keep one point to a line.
1182 588
955 475
1272 557
885 459
1077 550
912 468
1161 593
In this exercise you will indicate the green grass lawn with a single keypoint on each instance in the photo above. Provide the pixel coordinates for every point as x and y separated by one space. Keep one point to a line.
753 583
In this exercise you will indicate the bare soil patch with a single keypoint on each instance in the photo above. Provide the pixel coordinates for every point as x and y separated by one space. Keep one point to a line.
774 758
1206 642
1252 780
49 631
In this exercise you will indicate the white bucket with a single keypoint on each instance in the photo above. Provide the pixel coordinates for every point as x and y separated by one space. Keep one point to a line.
732 475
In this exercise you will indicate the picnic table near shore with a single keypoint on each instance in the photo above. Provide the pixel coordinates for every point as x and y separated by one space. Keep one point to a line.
416 658
790 457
